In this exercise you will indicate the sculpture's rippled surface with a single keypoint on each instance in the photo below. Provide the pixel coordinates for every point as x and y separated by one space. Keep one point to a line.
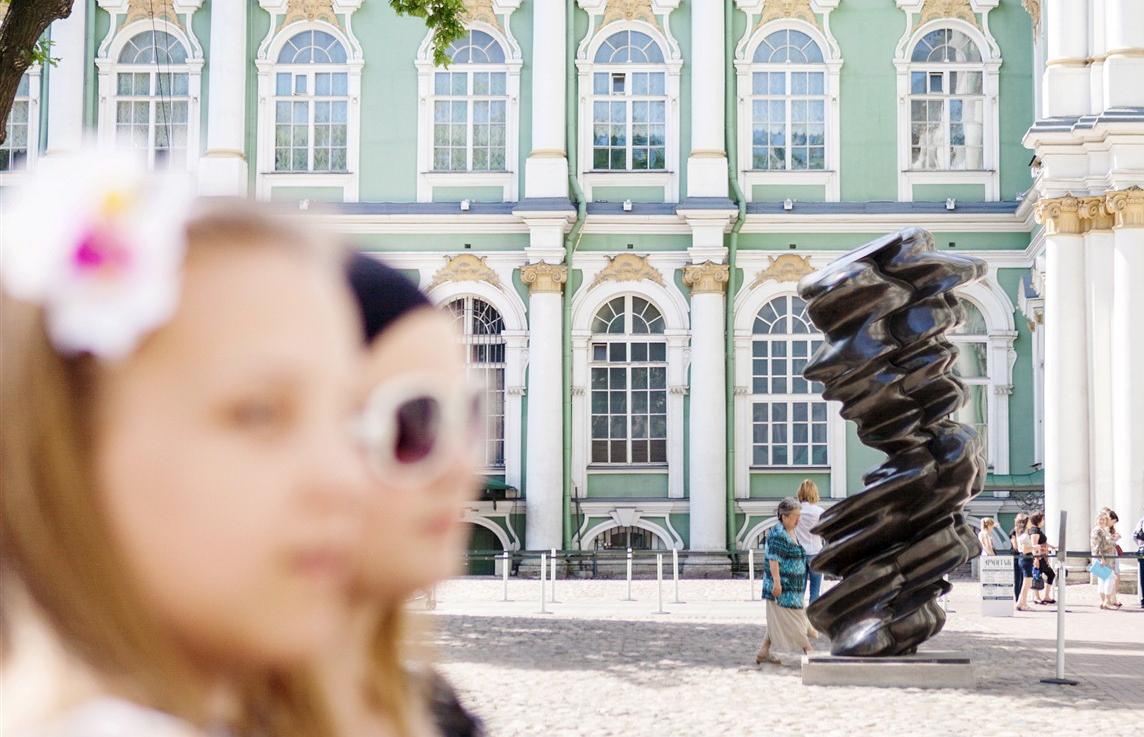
885 310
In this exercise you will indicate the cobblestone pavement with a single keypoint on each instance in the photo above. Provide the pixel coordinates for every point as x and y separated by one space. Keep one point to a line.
597 665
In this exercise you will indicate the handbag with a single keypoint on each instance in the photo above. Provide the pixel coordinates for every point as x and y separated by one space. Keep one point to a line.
1038 580
1100 570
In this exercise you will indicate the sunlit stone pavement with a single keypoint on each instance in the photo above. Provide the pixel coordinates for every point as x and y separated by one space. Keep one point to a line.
597 665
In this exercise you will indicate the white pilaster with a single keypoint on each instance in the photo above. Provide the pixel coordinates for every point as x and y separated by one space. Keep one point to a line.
1067 483
707 164
1098 254
708 470
1127 356
223 167
1066 80
65 82
544 472
1124 65
546 170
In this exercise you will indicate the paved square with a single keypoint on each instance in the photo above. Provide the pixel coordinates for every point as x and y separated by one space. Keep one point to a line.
601 666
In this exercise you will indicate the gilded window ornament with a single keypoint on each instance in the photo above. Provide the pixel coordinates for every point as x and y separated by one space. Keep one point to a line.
785 268
629 10
960 9
465 267
628 267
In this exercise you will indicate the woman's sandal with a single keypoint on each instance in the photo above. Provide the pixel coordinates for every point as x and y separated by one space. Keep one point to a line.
768 658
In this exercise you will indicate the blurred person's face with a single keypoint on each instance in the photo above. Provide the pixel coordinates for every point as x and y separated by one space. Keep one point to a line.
423 463
225 461
790 519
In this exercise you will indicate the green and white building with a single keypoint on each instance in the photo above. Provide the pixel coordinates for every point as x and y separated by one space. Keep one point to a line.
642 351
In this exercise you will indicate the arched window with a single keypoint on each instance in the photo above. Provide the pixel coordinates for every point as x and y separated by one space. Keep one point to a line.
788 413
788 103
947 102
629 104
483 334
971 339
153 97
628 367
622 538
311 104
18 144
470 106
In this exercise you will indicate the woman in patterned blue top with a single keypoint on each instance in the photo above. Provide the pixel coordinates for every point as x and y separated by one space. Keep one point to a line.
784 578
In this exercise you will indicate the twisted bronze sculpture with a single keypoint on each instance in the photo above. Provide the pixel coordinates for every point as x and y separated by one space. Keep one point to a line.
885 309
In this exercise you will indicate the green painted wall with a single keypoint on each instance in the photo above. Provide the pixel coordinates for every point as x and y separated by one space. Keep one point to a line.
476 194
201 27
941 192
635 194
777 484
1022 425
847 241
1013 29
620 485
859 460
779 192
640 243
297 194
441 241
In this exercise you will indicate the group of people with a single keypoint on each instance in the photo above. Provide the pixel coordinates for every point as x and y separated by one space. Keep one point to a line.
231 454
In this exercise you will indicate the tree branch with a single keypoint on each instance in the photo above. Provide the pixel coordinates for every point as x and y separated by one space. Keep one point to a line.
24 23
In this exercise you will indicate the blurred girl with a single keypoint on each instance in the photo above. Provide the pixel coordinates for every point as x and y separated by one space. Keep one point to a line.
180 491
811 512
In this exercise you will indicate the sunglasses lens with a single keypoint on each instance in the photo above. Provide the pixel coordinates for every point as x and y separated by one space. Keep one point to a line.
418 427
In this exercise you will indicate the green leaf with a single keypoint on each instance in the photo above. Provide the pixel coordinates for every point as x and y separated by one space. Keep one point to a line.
445 18
41 53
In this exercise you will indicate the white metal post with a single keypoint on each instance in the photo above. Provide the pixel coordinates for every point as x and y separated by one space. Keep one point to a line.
552 581
543 568
675 573
504 574
659 582
751 573
629 597
1062 576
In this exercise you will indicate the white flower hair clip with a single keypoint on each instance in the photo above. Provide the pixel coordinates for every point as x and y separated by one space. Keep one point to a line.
97 240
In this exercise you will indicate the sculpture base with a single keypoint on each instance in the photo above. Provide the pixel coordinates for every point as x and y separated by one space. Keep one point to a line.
930 669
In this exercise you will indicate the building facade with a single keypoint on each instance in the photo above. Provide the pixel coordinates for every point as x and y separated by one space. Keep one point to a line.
617 198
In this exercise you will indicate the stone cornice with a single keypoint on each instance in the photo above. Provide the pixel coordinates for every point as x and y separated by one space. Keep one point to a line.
544 278
1060 215
706 278
1127 207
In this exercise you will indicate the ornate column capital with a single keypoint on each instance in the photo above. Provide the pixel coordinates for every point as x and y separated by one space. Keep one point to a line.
1127 206
1059 215
707 277
544 278
1094 214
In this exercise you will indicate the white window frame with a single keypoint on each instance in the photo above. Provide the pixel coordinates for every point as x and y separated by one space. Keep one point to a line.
988 176
667 178
509 179
267 65
109 67
831 65
475 369
13 176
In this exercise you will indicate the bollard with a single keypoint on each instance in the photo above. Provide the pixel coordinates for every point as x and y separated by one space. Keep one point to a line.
751 573
945 597
543 567
629 597
504 574
431 599
675 573
1060 679
659 582
552 579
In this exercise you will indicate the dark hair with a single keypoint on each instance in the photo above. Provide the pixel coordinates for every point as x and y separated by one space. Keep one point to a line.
1037 518
382 294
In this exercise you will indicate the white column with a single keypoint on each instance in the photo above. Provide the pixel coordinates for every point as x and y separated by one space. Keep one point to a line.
1124 66
222 170
546 170
1127 356
544 475
707 164
1098 248
1066 80
65 82
708 470
1066 370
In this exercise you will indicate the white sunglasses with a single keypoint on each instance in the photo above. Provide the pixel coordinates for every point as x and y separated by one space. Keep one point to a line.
411 429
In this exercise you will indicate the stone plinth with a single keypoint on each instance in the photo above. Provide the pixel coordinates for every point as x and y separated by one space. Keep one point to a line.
932 669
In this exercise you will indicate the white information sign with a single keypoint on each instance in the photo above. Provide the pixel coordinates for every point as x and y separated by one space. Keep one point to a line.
997 585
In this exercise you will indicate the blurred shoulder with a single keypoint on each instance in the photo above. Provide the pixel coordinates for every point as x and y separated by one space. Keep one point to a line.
109 717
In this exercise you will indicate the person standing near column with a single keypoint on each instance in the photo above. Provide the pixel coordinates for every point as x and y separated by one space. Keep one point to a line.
811 512
1138 536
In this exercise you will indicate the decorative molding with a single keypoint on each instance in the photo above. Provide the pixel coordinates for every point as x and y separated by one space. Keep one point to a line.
544 278
785 268
628 267
1059 215
934 9
680 389
578 391
310 10
1094 214
515 391
628 10
1003 389
481 11
742 391
1127 206
1033 8
706 278
465 267
148 9
776 9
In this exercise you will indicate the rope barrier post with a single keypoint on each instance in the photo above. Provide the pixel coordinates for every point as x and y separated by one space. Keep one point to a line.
1060 679
543 568
675 573
629 597
431 599
751 573
504 573
552 581
659 582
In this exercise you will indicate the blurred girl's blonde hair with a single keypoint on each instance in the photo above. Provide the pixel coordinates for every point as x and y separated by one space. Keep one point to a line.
808 492
54 534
